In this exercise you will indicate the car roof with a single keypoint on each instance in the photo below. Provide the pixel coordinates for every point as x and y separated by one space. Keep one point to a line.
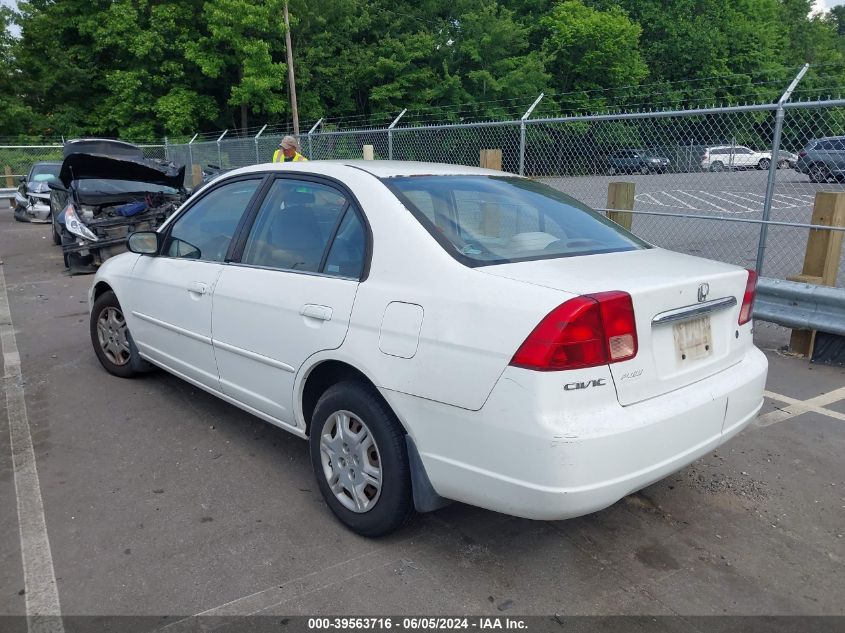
827 138
377 168
46 162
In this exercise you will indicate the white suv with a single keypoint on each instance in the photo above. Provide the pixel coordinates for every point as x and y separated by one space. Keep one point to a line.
734 157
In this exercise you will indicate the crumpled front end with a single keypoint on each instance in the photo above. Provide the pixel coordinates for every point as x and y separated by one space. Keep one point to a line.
94 234
33 203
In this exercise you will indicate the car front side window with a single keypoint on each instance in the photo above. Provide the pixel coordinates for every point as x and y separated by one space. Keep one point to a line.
205 230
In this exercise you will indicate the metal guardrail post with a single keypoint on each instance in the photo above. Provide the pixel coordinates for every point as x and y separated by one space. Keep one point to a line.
166 147
310 132
219 154
773 167
522 133
257 157
191 151
390 133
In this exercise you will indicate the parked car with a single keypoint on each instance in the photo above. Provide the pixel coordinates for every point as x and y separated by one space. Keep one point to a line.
107 189
629 161
725 157
823 159
32 199
786 159
438 333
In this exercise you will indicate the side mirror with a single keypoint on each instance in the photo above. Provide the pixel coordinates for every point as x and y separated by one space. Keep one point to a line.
56 185
143 243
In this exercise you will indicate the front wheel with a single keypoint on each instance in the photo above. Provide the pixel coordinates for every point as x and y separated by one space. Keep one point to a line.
717 166
764 164
360 459
112 340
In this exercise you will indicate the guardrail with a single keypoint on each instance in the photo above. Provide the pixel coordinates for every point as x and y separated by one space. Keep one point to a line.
800 306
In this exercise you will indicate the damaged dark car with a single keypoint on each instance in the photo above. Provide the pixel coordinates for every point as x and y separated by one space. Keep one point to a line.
105 191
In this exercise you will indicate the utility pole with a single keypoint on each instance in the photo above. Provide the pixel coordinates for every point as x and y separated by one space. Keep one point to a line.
291 80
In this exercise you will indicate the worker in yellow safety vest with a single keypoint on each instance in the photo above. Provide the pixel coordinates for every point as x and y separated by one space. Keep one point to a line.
288 151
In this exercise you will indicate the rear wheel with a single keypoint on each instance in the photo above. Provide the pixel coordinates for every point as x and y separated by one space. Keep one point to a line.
818 173
360 459
717 166
112 340
764 163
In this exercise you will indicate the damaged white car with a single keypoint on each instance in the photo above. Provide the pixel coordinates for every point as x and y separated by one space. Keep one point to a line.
32 199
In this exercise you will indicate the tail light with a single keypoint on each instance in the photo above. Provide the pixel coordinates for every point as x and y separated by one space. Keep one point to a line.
748 298
586 331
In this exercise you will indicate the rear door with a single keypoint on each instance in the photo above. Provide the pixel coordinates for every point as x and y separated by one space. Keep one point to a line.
290 294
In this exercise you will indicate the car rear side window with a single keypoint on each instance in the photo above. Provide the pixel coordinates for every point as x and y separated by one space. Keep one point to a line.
294 226
205 230
491 220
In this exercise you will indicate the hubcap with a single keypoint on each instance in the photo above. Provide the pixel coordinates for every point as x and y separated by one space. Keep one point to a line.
112 335
351 461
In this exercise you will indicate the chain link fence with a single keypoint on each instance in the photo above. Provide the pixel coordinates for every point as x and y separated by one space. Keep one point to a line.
705 180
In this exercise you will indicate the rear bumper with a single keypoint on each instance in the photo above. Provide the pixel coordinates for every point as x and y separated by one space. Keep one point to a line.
538 452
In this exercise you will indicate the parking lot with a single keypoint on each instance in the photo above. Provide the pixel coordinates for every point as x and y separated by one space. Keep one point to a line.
732 194
159 499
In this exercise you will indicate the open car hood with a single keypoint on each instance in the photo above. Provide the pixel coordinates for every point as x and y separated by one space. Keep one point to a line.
85 165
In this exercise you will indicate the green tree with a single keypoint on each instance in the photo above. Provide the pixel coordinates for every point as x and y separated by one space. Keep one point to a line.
591 50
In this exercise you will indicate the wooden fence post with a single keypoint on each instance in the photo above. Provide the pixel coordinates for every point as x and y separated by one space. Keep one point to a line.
821 260
369 154
620 195
196 175
491 159
10 182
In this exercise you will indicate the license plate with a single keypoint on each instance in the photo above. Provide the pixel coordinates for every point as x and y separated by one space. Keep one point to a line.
693 339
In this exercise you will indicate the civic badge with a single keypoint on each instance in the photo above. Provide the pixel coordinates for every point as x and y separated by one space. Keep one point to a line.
703 291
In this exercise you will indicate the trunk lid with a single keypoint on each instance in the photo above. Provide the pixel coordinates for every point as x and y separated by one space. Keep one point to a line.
674 351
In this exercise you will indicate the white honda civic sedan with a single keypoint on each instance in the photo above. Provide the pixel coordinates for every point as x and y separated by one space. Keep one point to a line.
438 333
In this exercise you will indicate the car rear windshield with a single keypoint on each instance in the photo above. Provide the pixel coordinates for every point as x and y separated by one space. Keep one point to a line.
494 220
44 173
112 187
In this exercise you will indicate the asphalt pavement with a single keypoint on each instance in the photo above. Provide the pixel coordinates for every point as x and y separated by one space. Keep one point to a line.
159 499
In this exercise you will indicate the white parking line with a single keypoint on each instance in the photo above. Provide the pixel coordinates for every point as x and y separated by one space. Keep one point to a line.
669 195
707 202
41 594
797 407
736 204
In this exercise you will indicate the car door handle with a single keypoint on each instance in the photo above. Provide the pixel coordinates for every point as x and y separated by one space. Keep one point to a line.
323 313
198 287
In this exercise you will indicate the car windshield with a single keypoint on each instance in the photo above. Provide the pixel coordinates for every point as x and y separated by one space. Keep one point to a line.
111 187
493 220
44 173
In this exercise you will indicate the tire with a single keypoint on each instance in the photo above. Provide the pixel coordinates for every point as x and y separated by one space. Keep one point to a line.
369 510
611 171
20 214
818 173
783 164
717 166
764 164
119 356
57 238
644 170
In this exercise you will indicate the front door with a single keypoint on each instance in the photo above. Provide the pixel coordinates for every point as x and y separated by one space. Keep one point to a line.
291 293
170 296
